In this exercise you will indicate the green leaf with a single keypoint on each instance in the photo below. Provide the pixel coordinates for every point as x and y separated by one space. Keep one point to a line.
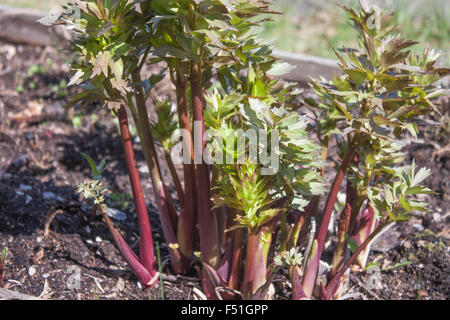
352 245
405 205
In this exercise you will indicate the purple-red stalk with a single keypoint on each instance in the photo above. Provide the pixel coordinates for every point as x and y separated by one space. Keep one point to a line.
365 224
312 268
186 220
236 264
343 225
207 221
256 261
146 240
167 213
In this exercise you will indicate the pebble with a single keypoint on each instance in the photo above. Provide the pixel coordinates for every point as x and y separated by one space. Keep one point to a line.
7 176
48 195
407 244
418 227
437 217
116 214
386 241
20 161
32 271
120 285
98 239
28 199
143 169
25 187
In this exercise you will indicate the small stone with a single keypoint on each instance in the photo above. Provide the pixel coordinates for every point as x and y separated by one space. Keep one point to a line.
89 241
418 227
386 241
421 266
29 135
407 244
143 169
437 217
7 176
20 161
98 239
48 195
88 230
28 199
116 214
32 271
120 284
25 187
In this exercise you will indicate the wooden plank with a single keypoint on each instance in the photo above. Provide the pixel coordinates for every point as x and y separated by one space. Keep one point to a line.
11 295
21 26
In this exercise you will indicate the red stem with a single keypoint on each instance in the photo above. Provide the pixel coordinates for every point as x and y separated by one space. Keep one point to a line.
166 208
146 241
146 276
256 261
236 264
311 270
208 227
186 220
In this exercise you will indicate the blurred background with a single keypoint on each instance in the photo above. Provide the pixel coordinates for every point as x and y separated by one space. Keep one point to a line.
317 26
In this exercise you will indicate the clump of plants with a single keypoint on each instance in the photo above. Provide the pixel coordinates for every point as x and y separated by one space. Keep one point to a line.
252 174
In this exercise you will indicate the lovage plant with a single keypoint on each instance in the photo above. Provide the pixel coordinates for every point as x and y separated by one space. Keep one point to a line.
384 87
246 204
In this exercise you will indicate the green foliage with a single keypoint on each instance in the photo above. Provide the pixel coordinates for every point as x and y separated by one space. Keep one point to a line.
382 89
393 195
96 170
167 123
288 258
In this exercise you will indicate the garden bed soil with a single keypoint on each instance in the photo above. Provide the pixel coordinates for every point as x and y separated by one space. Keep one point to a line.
41 143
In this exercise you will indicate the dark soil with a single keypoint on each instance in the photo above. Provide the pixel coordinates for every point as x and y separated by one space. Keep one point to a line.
40 146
